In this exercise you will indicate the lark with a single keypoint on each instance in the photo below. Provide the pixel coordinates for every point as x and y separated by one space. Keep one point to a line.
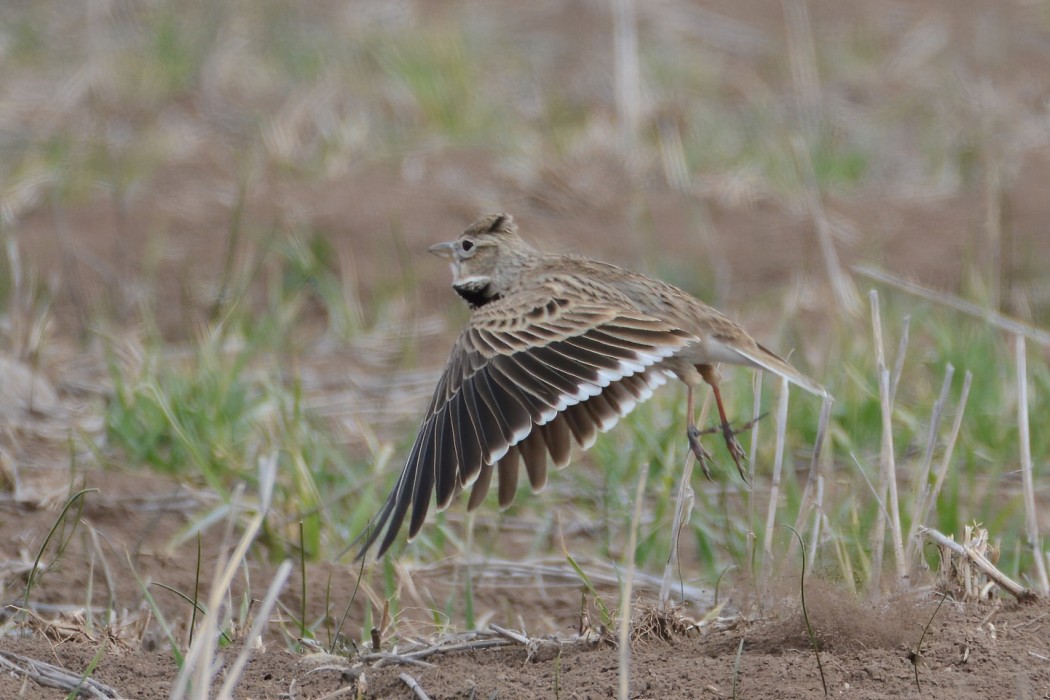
557 349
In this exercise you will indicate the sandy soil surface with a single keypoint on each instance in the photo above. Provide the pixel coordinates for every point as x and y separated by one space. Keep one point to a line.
868 649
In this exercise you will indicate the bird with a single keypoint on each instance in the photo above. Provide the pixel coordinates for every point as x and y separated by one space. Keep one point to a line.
557 349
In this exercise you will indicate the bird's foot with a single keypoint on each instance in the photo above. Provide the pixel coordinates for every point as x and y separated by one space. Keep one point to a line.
732 444
702 455
735 450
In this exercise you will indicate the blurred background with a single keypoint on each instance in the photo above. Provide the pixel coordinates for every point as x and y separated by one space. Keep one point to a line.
151 149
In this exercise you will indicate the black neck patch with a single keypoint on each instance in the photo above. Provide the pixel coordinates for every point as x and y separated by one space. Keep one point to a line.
476 297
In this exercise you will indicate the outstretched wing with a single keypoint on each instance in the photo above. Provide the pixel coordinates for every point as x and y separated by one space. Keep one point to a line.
529 373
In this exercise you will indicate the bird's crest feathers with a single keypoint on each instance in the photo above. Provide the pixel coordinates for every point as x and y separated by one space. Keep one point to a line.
493 224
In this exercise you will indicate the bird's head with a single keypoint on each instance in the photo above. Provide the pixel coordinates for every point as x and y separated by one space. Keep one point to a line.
487 259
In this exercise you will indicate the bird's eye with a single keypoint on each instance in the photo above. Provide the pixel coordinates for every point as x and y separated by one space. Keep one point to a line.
467 245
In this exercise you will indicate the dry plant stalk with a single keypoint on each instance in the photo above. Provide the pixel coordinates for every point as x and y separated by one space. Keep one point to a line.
898 364
942 470
928 496
990 316
414 686
683 507
451 644
198 668
49 675
889 474
1031 515
774 487
956 560
625 591
815 479
878 538
628 74
664 624
922 479
1021 331
923 475
549 572
752 502
818 512
262 619
802 53
888 467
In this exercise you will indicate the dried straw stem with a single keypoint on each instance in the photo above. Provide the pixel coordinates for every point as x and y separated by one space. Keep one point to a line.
625 590
1031 515
980 561
990 316
887 461
774 487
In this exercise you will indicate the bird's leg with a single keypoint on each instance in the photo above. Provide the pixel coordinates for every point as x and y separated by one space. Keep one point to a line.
702 455
709 373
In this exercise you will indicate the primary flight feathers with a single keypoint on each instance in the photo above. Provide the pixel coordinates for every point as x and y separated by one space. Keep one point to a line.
557 349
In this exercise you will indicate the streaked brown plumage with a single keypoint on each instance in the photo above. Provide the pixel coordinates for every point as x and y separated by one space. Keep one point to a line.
557 349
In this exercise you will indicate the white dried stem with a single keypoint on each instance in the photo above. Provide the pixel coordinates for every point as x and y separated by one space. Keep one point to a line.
802 54
878 545
778 465
946 459
198 671
922 489
683 509
994 318
1031 515
625 590
414 686
262 620
815 473
898 364
818 511
980 561
752 502
628 73
889 474
510 634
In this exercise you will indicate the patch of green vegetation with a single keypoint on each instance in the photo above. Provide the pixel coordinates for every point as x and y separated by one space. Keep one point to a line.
836 164
441 74
176 48
214 410
28 39
195 418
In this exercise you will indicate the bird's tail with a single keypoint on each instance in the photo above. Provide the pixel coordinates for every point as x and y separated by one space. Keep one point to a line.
764 359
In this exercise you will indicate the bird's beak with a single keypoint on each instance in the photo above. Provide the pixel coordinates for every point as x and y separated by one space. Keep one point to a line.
442 250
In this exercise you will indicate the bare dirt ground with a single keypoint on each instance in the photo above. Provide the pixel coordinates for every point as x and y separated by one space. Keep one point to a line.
760 246
971 653
868 649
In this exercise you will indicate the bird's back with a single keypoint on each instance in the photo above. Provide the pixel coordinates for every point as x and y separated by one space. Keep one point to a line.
612 284
719 338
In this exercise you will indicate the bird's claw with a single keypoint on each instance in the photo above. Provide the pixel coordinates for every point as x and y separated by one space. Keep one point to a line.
702 455
732 444
735 450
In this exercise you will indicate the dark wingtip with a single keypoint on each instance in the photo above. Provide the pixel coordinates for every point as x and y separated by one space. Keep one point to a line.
367 539
391 516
